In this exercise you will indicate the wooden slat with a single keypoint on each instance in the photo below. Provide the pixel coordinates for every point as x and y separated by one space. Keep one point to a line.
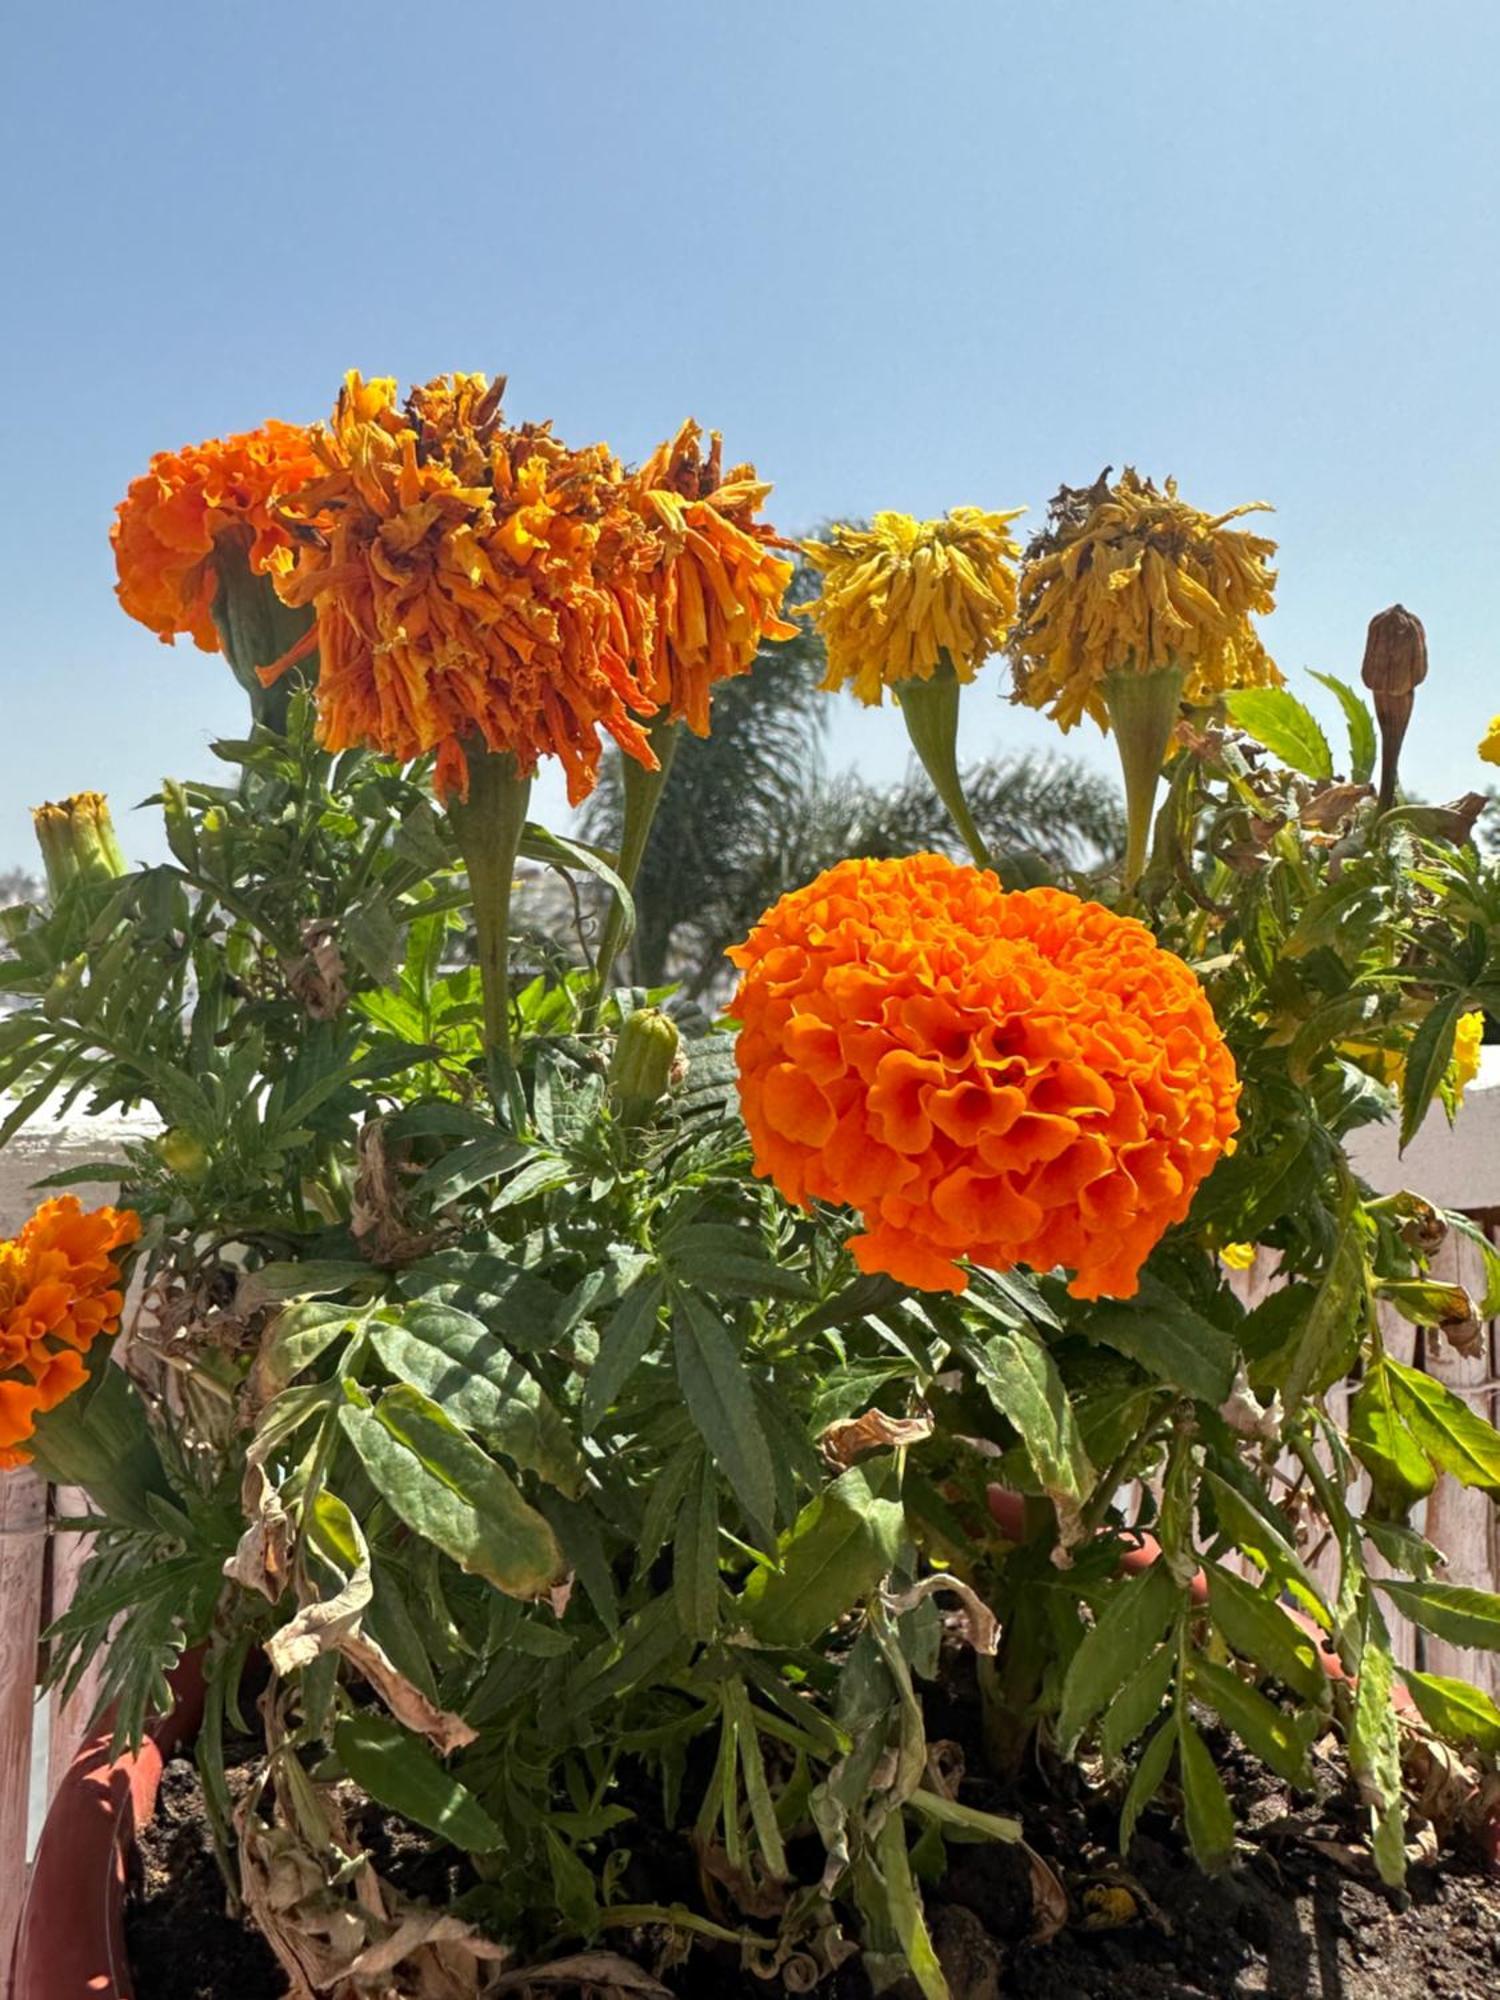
1460 1519
23 1533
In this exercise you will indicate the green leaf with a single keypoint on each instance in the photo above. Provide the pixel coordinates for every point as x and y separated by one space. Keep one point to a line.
964 1823
1287 728
399 1771
1456 1710
1375 1747
453 1494
1428 1057
1205 1804
1128 1629
623 1345
1448 1430
572 1885
1171 1341
1022 1381
904 1906
1138 1703
721 1402
834 1554
1265 1543
1398 1467
1258 1723
315 1278
1255 1626
1361 726
695 1556
1331 1332
1145 1781
473 1378
1450 1611
300 1333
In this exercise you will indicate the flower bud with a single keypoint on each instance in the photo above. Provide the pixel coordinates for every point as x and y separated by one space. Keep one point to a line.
1395 666
640 1070
180 1153
78 843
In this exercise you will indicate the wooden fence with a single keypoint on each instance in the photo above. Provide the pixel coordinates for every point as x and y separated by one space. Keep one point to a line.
1460 1169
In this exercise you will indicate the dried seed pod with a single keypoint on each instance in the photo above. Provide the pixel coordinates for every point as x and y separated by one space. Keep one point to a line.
1395 666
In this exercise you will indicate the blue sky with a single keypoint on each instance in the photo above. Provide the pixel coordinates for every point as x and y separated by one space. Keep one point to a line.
908 256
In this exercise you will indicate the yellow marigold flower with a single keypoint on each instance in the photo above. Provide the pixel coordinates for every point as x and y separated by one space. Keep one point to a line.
902 595
471 582
1129 577
1489 746
715 581
1013 1078
1237 1256
1463 1064
59 1290
167 526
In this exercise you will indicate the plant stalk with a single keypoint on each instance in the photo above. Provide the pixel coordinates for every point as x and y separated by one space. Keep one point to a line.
930 711
1142 711
488 826
642 790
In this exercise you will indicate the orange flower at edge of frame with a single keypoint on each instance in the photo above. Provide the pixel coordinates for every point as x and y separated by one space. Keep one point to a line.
166 528
1007 1077
59 1291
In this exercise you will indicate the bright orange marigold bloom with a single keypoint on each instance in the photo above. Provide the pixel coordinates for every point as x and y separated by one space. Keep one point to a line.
1008 1077
471 581
166 526
59 1290
715 581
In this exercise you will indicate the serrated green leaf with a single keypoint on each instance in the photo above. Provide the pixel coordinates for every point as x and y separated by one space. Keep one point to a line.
1375 1747
1135 1616
1255 1626
1456 1710
399 1771
1206 1810
1360 724
1145 1781
836 1552
1446 1428
1265 1543
1450 1611
1427 1058
1169 1339
904 1906
1021 1379
721 1402
695 1556
1287 728
1138 1703
1258 1723
1400 1470
453 1494
623 1345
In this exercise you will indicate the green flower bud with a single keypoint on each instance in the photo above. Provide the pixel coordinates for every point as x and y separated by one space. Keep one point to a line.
180 1153
641 1067
78 843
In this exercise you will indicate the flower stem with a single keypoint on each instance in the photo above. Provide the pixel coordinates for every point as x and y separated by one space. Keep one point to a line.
488 825
930 711
1142 710
643 790
255 630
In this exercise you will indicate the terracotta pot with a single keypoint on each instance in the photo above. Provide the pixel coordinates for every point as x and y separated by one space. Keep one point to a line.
71 1942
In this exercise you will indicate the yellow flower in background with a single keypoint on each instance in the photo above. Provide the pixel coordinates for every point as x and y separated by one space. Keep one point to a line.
715 577
901 595
1237 1256
1463 1064
1489 747
1130 577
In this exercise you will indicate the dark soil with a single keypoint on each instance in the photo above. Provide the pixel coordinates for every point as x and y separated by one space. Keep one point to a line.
1291 1921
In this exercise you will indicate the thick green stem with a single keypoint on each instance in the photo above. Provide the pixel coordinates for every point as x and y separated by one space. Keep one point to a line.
488 826
643 790
1142 710
930 711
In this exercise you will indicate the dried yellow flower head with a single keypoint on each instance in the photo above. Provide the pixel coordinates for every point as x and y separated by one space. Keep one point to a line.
1129 577
902 596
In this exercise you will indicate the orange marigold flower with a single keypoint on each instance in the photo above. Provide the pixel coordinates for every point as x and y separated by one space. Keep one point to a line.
166 527
471 581
1011 1077
715 581
59 1290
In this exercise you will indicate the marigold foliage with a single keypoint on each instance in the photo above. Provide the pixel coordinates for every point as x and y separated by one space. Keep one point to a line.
166 527
1011 1077
1126 576
1489 746
59 1290
714 579
470 581
901 594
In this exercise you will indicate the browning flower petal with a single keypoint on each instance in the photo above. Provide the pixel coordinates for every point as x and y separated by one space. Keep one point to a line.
166 527
59 1290
1130 577
1007 1077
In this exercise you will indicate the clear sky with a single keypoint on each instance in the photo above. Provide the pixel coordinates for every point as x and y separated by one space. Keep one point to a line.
903 256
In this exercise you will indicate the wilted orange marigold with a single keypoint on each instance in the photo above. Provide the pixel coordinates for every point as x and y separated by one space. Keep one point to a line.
715 580
59 1290
471 582
166 526
1008 1077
